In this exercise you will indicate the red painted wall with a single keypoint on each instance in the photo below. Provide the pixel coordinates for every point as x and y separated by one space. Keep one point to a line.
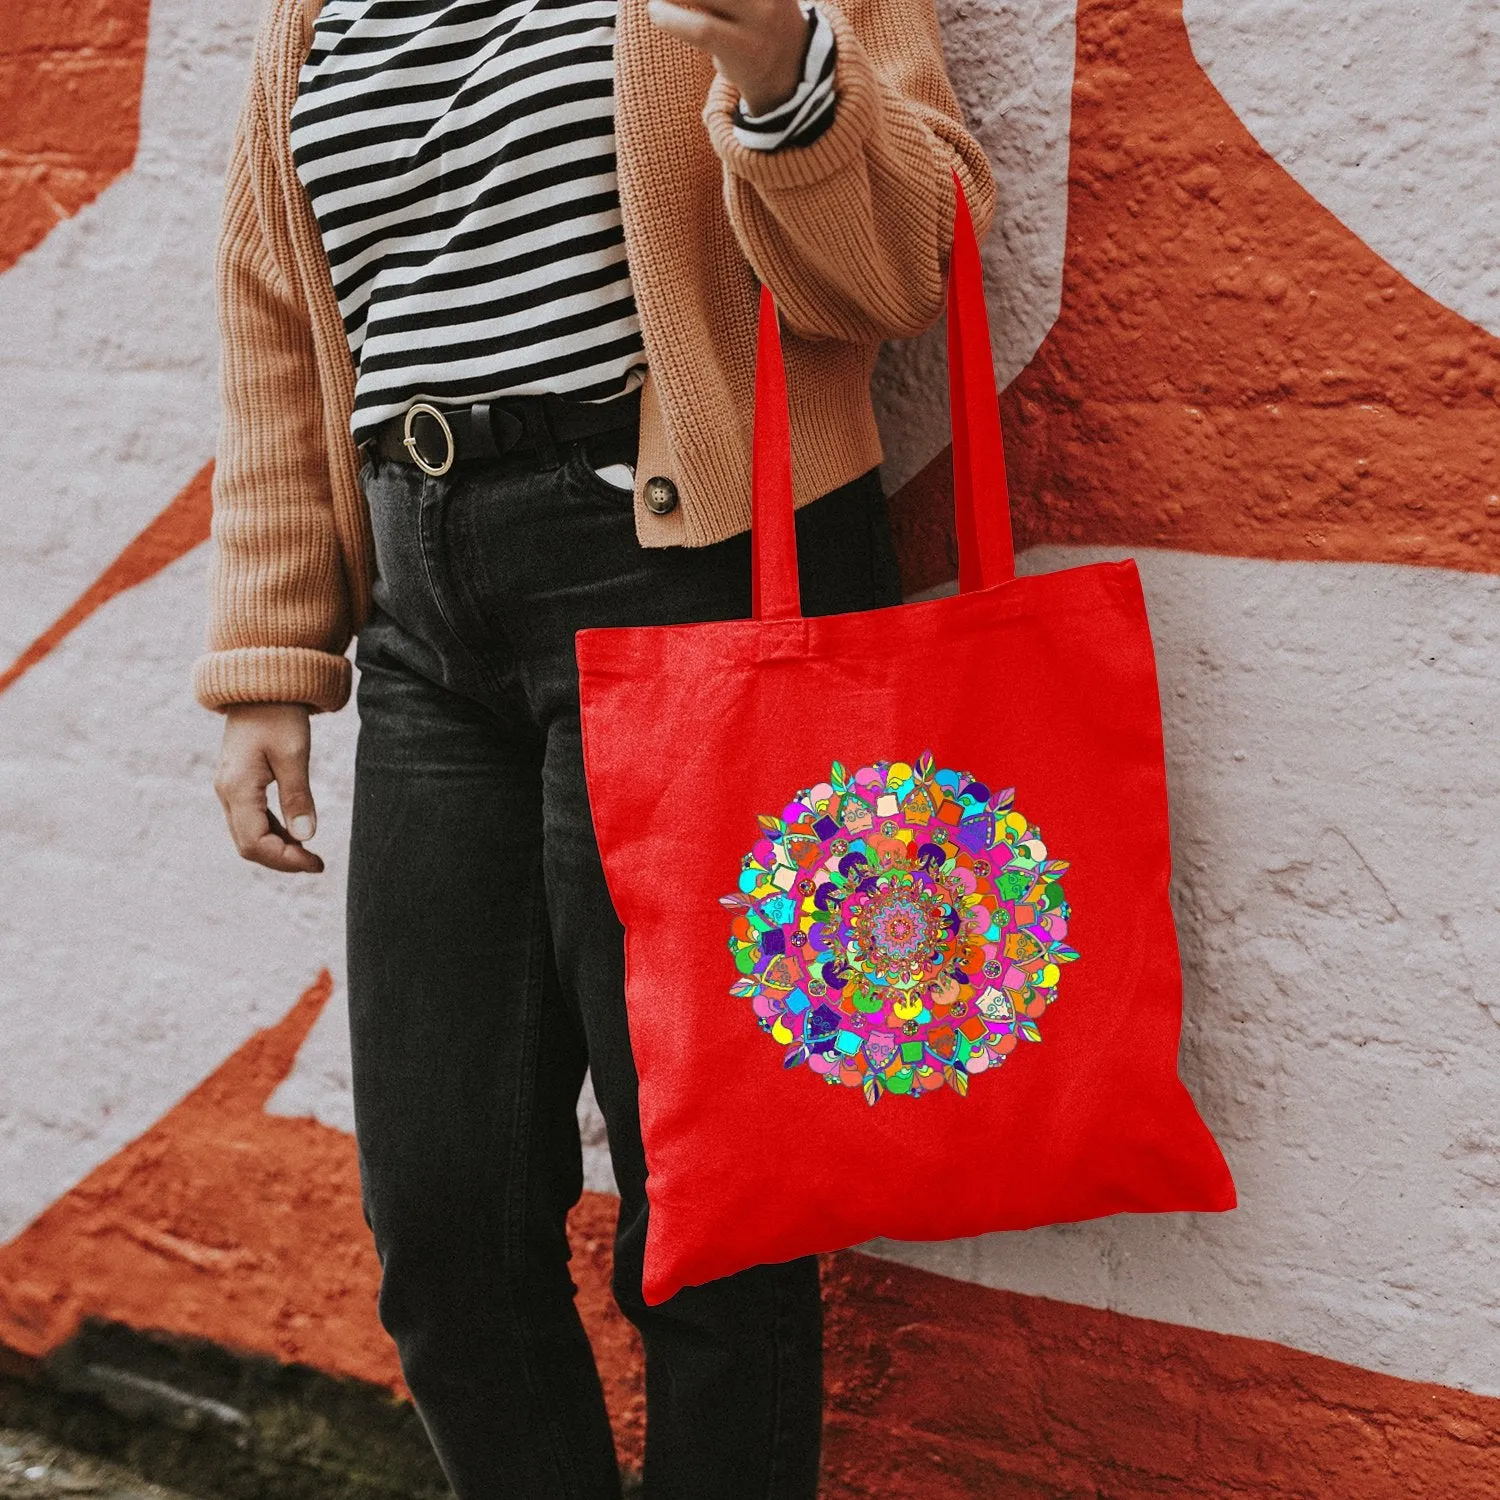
70 95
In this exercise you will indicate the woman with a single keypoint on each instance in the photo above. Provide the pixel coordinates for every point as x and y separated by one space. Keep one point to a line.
488 276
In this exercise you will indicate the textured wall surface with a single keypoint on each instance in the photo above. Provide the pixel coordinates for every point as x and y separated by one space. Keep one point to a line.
1244 297
1384 110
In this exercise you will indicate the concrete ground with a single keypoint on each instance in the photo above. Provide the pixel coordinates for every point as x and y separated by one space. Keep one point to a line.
35 1467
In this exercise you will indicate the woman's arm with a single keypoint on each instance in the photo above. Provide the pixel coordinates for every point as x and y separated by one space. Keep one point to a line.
278 609
852 232
278 606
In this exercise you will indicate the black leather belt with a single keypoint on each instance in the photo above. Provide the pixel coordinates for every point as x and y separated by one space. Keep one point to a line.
434 438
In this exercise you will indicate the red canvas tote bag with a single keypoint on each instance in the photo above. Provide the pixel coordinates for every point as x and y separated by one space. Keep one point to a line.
899 957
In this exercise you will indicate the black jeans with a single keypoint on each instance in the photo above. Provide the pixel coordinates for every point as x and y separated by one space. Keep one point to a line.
486 970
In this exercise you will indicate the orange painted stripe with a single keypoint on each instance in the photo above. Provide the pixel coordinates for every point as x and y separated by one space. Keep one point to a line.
1232 371
183 525
70 108
939 1389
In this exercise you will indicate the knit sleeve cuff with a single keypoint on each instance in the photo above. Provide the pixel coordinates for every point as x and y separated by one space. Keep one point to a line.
840 147
273 674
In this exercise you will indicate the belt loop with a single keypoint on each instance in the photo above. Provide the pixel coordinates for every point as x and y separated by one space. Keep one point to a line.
482 430
541 431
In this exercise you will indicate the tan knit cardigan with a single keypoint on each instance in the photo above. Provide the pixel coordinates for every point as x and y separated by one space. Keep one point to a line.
851 233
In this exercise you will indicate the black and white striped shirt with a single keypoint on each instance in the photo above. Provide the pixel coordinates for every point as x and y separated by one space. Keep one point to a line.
459 157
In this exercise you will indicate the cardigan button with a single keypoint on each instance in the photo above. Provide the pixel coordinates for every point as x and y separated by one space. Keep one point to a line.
660 496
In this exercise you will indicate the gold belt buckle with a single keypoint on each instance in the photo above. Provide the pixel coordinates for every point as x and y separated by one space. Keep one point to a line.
409 442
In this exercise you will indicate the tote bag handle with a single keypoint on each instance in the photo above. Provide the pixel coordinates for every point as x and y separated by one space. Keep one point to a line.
980 497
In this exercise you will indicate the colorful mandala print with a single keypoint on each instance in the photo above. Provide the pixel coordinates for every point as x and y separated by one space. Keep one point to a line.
900 929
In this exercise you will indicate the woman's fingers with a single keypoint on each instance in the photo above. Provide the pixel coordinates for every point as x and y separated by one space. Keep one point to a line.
704 29
256 833
290 854
265 743
299 818
293 792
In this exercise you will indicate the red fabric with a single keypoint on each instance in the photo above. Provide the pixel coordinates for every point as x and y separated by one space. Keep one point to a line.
1045 684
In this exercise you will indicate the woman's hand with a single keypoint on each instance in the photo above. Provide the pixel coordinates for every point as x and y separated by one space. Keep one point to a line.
758 45
266 742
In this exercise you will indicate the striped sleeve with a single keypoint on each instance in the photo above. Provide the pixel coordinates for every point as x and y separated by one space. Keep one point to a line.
800 120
